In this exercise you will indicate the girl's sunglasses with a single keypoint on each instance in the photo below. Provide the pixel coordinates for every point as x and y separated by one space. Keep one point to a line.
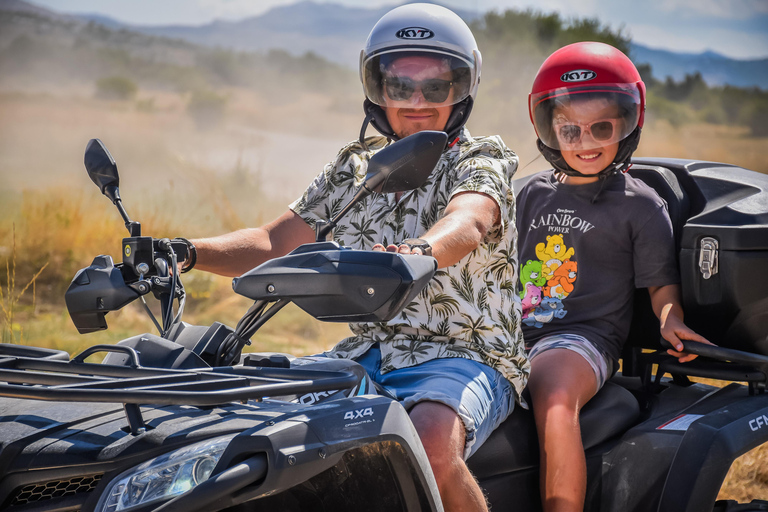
401 88
601 131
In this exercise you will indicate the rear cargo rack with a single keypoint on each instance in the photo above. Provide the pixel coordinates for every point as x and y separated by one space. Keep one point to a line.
76 381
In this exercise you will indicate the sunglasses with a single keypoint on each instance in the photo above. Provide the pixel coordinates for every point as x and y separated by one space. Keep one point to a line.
602 130
401 88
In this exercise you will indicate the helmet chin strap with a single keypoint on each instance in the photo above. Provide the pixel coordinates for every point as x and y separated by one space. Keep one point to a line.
376 117
620 162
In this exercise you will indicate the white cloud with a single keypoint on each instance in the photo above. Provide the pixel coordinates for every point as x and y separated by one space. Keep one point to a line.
723 9
567 8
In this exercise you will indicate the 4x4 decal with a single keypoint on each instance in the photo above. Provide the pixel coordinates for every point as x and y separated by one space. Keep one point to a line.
358 414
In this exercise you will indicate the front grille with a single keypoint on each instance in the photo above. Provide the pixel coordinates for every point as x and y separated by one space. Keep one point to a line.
54 489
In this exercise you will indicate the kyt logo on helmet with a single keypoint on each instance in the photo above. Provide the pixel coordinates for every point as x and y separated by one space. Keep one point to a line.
414 33
578 75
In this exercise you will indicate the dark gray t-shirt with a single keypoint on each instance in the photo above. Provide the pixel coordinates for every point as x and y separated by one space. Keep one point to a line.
581 261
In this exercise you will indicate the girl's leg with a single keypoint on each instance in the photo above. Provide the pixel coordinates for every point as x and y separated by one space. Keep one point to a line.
561 382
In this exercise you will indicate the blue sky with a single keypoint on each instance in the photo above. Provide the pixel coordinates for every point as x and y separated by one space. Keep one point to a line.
735 28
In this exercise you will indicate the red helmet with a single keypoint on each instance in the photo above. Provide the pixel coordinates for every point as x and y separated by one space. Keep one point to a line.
591 71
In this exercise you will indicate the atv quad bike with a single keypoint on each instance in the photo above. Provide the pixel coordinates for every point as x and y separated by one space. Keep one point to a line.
184 421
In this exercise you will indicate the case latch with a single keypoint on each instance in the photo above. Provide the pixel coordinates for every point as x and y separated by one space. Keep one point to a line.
708 257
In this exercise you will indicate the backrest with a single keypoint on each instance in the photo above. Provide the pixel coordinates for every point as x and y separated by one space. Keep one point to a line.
644 331
665 183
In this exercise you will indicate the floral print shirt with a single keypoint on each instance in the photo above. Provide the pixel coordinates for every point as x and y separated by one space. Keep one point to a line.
469 309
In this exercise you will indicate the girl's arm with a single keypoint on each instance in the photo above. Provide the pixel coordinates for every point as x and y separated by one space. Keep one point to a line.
665 301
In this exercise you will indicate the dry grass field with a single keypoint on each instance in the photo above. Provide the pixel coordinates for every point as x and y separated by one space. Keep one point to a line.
748 477
178 178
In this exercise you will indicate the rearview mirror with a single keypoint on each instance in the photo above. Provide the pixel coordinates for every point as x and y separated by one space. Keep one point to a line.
399 167
102 169
406 164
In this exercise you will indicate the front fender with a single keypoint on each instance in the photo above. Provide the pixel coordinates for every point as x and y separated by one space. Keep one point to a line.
708 449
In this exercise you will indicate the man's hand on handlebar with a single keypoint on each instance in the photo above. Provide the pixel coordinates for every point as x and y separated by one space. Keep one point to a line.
401 249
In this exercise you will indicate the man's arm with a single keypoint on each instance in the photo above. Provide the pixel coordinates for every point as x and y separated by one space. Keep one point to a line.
665 301
467 219
238 252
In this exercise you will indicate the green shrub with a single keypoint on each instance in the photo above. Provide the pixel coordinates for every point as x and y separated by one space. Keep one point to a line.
146 105
676 112
116 88
758 121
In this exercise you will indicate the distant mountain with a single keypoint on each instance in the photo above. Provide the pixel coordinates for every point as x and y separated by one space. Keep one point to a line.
105 21
42 50
333 31
26 7
716 69
338 33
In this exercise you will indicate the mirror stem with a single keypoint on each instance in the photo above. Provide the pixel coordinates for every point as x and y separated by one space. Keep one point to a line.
113 193
134 228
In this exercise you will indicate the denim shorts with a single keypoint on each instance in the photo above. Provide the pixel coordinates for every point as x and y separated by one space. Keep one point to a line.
480 395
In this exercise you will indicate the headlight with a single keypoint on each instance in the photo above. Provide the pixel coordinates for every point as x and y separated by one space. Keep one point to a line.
164 477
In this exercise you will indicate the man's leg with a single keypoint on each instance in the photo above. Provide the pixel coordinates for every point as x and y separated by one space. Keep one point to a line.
454 405
561 382
442 434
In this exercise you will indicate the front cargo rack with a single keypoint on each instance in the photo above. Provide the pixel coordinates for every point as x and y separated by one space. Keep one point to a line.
38 378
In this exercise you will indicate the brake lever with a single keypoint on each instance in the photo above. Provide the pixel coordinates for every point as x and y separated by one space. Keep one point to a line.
142 286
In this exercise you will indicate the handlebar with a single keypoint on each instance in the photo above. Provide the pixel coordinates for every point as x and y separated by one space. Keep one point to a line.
720 353
735 365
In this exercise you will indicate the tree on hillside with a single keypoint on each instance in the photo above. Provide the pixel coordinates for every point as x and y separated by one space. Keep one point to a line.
692 100
514 44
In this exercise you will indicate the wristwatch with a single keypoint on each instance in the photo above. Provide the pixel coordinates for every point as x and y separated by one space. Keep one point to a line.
419 243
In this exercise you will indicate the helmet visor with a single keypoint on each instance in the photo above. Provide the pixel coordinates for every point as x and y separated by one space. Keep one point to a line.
586 117
410 79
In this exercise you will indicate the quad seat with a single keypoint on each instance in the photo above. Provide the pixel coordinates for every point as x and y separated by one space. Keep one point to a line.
514 444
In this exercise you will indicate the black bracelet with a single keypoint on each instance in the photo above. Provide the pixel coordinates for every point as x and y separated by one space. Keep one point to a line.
418 243
191 255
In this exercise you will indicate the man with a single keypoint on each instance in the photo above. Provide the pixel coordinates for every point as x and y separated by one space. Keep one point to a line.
454 357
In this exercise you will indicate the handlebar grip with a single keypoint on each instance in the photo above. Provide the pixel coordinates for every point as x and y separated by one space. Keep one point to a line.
719 353
181 247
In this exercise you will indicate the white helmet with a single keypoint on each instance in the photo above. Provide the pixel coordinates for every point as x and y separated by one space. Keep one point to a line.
421 30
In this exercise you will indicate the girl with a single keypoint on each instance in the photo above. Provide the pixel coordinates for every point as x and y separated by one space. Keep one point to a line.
598 234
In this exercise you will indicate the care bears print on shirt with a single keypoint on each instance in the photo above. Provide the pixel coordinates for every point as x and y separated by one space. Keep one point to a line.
547 281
